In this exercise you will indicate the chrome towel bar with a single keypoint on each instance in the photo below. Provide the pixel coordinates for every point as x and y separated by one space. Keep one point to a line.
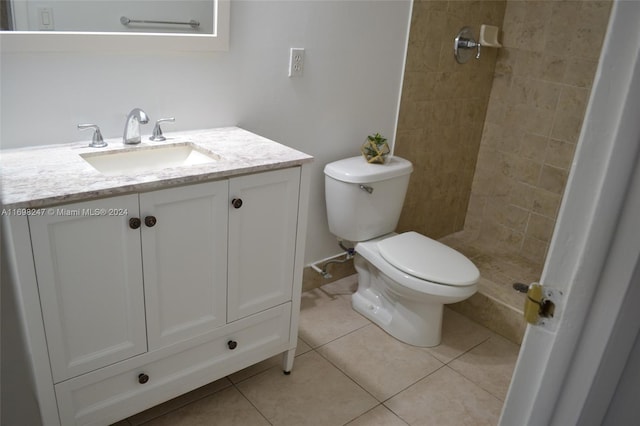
126 21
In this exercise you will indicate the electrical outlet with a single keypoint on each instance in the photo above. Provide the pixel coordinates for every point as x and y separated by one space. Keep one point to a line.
45 19
296 62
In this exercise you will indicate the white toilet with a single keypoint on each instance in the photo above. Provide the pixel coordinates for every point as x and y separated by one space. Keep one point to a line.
404 280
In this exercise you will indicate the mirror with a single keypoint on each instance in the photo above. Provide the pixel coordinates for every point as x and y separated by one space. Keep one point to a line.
151 16
61 25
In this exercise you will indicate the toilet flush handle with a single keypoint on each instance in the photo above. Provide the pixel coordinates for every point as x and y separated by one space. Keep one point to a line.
369 189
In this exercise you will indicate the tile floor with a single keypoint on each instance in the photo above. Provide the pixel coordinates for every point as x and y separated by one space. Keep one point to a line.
349 372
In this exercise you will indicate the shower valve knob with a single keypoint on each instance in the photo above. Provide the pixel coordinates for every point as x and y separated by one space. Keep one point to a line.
236 203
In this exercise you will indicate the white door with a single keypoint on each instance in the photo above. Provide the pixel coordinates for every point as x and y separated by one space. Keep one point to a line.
89 271
569 367
262 240
185 260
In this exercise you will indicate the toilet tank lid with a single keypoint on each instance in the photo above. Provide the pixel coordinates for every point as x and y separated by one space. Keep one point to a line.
357 170
428 259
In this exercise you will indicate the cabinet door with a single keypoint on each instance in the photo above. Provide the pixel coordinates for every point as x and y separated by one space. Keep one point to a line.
262 234
89 270
185 261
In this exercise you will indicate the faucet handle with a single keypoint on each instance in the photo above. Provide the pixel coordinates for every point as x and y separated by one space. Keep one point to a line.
157 131
96 141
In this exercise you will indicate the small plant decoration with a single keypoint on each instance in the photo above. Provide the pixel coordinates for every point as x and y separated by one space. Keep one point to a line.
375 149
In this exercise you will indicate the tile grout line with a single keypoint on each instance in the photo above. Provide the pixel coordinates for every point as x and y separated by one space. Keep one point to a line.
408 386
379 405
340 337
251 402
384 403
478 385
469 378
468 350
400 391
444 364
350 378
181 406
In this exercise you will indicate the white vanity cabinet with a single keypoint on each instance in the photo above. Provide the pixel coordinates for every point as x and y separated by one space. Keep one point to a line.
146 296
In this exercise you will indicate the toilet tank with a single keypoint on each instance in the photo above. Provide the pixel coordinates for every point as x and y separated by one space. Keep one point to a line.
364 200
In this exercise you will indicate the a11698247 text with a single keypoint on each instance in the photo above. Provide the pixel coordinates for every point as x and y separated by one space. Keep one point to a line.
63 211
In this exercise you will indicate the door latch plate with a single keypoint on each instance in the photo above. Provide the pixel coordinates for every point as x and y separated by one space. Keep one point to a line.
538 304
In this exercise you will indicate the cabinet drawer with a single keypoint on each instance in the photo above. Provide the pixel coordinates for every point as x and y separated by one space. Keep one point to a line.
113 393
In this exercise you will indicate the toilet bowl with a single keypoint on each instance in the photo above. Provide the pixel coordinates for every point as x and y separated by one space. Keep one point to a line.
404 280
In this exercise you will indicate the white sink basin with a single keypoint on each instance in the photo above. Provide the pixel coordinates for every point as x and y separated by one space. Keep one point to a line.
151 158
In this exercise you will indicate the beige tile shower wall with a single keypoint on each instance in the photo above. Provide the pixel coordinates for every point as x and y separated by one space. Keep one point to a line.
442 113
540 90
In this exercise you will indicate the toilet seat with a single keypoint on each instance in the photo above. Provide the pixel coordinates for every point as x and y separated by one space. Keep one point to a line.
369 251
428 259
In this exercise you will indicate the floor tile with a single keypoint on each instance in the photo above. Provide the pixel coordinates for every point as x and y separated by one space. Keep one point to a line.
254 369
446 398
180 401
489 365
315 393
459 334
379 416
379 363
224 408
325 317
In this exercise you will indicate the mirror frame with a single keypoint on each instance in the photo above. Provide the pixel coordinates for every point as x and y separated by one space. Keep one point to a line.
68 41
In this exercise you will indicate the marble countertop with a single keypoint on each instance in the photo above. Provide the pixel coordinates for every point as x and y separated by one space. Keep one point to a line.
53 174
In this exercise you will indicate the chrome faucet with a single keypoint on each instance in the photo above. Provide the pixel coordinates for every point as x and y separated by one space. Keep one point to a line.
132 126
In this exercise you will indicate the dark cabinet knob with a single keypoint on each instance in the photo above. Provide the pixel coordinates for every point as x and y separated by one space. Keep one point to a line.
236 203
232 344
143 378
150 221
134 223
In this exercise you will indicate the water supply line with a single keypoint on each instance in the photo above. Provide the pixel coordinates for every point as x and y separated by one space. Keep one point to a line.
347 255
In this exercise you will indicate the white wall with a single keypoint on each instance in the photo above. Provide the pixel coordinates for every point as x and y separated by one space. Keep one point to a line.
353 72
